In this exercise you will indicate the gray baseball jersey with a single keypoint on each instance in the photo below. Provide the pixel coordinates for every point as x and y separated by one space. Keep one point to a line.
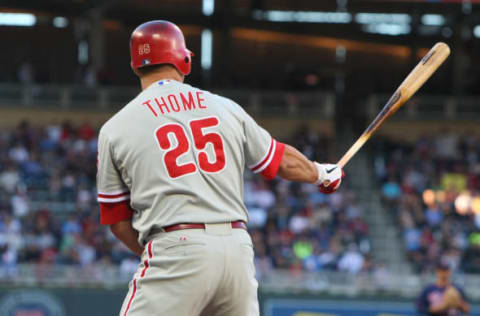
177 154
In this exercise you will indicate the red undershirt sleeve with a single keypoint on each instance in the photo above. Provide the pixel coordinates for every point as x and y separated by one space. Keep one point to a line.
268 167
271 170
112 213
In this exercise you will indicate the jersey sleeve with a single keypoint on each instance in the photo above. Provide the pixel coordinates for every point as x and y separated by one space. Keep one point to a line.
113 194
263 153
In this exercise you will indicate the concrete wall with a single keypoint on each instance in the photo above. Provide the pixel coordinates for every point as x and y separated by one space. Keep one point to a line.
107 302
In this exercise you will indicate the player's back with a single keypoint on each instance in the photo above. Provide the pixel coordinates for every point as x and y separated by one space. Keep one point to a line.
180 153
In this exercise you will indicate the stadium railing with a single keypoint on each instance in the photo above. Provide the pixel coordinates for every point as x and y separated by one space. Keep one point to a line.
429 107
271 103
276 281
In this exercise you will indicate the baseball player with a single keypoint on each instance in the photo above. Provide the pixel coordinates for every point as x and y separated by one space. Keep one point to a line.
443 298
170 185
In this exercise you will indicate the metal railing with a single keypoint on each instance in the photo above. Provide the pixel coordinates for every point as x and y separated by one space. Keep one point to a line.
271 103
263 103
379 282
430 107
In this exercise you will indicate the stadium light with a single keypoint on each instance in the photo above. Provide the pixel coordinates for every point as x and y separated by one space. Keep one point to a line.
476 31
382 18
429 197
208 7
207 47
433 19
60 22
476 205
462 203
331 17
387 29
83 53
17 19
303 16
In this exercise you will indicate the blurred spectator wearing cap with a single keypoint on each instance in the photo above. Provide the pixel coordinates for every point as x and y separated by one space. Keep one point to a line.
442 298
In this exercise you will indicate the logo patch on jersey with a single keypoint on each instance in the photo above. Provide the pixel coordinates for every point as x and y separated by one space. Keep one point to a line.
183 238
146 61
163 82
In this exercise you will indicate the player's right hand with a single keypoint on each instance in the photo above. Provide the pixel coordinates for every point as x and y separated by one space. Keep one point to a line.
329 177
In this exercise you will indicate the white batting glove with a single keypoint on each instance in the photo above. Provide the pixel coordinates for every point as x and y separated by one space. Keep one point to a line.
329 177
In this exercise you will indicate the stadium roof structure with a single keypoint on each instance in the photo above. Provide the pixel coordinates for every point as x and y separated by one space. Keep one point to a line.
342 19
119 8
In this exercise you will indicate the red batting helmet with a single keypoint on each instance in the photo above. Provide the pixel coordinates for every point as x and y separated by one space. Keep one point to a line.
159 42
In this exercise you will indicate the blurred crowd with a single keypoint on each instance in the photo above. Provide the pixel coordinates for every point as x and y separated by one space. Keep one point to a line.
295 227
49 214
429 187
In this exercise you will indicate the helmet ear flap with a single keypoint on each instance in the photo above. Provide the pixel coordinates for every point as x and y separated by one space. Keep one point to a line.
188 58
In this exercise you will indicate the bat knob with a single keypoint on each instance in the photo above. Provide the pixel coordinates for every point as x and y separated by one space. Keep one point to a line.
326 183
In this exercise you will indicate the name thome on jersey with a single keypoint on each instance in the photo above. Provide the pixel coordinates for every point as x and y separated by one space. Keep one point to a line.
176 103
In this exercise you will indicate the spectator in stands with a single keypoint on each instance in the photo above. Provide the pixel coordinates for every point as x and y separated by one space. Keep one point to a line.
391 192
431 227
20 203
352 261
49 174
9 178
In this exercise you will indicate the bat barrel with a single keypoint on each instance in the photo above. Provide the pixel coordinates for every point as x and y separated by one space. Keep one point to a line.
417 77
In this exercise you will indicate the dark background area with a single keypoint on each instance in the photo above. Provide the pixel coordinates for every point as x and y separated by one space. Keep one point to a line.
247 51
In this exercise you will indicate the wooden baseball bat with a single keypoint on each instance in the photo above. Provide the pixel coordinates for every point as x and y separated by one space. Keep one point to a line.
417 77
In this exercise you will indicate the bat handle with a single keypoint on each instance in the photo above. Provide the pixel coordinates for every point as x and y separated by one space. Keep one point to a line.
353 150
342 162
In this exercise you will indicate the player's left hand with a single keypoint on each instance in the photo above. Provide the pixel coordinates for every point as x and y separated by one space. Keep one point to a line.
329 177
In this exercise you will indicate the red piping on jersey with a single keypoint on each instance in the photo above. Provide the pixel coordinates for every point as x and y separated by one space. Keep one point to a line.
131 298
258 166
146 265
150 250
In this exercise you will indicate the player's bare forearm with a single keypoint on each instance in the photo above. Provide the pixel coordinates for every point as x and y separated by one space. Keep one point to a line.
128 235
296 167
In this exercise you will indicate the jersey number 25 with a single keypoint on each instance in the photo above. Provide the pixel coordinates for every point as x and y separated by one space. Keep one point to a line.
201 140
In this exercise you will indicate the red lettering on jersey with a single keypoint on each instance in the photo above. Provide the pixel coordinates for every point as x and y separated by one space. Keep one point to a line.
199 100
176 107
162 105
147 103
188 104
